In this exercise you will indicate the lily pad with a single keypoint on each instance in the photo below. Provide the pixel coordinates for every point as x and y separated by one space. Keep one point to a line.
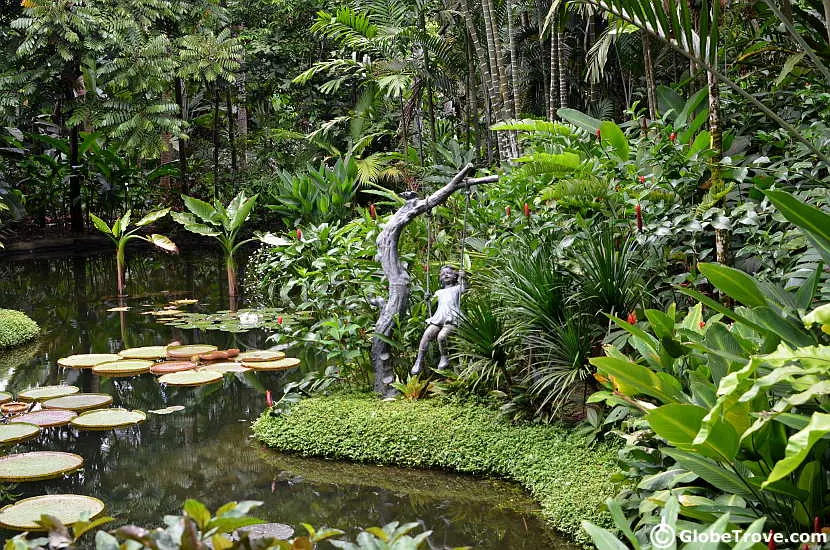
281 364
119 308
125 367
191 378
38 465
262 531
186 352
172 366
14 407
24 514
15 432
79 402
5 397
260 355
108 419
168 410
47 392
48 418
225 368
87 360
146 352
184 302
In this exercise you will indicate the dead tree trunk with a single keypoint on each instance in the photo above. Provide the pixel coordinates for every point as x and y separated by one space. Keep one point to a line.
397 304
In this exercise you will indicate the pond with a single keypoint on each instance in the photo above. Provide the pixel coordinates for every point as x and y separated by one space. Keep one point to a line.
205 451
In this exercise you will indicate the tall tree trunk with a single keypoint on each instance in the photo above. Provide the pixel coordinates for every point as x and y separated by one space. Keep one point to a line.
562 62
651 86
180 100
231 137
826 4
428 71
723 237
553 100
499 74
514 60
216 141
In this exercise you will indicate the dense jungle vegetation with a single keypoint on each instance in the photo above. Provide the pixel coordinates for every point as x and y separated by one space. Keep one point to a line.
649 269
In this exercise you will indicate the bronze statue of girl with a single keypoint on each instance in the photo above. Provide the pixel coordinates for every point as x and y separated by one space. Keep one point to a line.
445 318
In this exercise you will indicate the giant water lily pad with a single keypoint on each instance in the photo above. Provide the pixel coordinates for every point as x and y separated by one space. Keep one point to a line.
125 367
186 352
47 392
108 419
5 396
15 407
146 352
47 418
281 364
79 402
167 410
87 360
191 378
38 465
225 368
260 355
15 432
24 514
172 366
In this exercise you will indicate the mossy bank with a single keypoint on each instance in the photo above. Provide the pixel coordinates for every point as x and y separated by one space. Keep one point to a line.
16 328
570 479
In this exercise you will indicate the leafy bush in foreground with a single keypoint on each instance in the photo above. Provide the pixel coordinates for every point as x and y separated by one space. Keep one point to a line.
16 328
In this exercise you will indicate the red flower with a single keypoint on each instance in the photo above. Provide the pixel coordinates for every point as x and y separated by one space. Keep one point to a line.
426 268
632 318
771 544
373 213
507 211
268 398
702 324
526 210
279 320
299 234
642 179
816 524
599 134
639 214
672 137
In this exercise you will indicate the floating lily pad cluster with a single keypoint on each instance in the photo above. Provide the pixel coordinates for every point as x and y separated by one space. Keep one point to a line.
242 320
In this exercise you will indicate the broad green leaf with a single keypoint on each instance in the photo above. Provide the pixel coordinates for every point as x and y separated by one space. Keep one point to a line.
602 538
163 242
809 218
152 216
820 315
788 330
799 445
100 224
239 216
788 67
701 143
202 209
734 283
579 119
198 512
710 471
679 425
613 135
669 100
231 524
633 379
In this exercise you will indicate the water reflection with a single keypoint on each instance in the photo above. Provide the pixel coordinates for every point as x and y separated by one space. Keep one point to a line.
205 451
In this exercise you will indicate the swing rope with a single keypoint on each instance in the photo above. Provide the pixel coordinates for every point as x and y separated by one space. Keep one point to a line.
464 226
429 258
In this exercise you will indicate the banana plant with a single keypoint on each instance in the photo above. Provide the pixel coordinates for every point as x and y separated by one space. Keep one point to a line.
120 234
222 223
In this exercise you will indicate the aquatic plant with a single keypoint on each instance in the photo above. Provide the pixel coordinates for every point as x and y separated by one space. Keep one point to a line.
222 223
16 328
119 234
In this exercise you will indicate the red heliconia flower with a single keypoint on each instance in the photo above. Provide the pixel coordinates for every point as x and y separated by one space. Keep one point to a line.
702 324
526 210
279 320
507 211
771 544
816 524
299 234
642 179
672 137
632 318
638 211
426 268
268 398
373 213
599 134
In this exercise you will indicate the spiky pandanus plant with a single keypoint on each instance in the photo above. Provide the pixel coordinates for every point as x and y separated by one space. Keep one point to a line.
120 234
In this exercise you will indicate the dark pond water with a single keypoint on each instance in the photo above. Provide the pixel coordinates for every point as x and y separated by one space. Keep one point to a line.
205 451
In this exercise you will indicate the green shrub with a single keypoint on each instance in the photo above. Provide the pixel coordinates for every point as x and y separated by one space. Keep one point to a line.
570 479
16 328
